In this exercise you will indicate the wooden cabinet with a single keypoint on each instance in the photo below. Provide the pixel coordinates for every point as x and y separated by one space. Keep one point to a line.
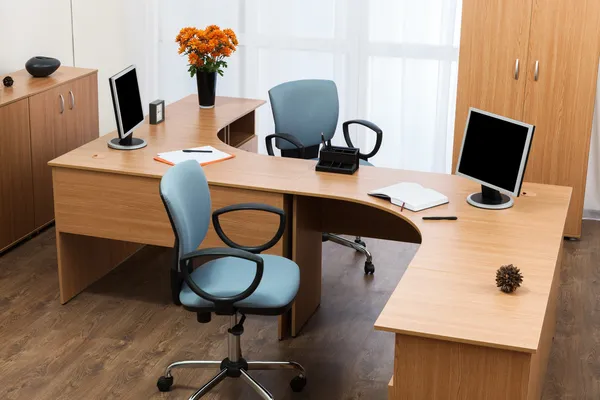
82 117
535 61
48 140
491 50
16 191
40 119
63 119
564 45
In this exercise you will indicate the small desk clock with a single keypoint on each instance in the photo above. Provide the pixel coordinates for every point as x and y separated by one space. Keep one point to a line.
157 112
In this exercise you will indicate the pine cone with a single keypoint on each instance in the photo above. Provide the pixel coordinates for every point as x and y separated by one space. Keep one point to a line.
8 81
508 278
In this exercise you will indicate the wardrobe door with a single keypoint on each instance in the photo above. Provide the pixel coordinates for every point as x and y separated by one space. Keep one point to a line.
492 60
82 111
16 200
49 139
559 96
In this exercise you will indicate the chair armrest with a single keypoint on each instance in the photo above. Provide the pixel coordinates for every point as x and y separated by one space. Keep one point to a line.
283 136
244 207
222 302
369 125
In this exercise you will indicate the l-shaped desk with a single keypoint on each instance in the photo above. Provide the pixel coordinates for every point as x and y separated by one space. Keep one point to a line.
457 335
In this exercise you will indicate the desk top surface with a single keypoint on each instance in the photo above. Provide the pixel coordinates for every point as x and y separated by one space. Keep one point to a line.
448 291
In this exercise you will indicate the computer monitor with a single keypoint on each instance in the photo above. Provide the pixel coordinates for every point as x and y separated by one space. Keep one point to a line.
127 103
494 153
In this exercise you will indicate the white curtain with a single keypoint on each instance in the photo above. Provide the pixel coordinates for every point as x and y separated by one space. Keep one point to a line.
394 62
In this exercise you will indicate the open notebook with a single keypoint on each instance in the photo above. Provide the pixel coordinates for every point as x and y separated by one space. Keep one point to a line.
413 196
175 157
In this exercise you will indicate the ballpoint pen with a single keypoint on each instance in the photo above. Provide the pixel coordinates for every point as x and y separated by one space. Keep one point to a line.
196 151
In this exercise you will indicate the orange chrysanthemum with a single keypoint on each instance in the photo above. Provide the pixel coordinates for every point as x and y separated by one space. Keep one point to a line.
206 48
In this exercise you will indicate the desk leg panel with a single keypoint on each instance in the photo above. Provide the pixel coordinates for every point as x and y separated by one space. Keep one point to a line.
539 361
306 252
82 260
435 369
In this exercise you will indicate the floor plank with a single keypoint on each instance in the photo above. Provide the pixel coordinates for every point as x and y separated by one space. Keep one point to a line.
113 340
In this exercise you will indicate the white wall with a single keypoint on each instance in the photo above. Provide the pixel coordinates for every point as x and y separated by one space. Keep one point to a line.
34 28
111 35
108 35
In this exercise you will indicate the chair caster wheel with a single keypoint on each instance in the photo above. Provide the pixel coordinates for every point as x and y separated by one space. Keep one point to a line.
298 383
362 243
164 383
369 268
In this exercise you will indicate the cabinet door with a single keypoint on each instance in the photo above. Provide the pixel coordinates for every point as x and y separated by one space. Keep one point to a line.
82 111
16 192
565 42
49 139
494 36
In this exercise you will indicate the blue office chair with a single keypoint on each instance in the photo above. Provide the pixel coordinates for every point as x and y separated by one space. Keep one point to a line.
236 280
302 110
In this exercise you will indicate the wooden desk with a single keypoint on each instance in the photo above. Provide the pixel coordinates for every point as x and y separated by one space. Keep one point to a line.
457 336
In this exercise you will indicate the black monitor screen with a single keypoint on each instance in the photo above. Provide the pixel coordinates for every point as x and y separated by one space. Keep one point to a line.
493 150
130 102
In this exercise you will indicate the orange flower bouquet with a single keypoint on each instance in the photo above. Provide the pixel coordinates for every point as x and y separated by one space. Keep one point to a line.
206 50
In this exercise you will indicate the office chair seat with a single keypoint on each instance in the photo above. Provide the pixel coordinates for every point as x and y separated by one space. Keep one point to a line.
229 276
361 162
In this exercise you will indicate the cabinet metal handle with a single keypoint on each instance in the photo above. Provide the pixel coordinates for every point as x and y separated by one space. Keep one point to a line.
536 74
72 96
62 103
517 69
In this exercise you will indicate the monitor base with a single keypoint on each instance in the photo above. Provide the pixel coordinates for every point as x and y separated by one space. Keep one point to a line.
490 199
129 143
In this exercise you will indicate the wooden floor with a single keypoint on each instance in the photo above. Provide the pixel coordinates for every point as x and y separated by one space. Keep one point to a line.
113 340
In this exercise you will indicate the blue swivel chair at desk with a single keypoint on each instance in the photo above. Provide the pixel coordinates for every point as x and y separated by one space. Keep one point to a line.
238 281
304 109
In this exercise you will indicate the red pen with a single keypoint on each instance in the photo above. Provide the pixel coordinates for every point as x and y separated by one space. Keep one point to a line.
402 208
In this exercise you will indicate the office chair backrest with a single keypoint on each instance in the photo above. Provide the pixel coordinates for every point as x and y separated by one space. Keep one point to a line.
184 191
304 109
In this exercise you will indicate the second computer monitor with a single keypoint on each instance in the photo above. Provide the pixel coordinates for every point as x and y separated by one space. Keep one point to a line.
494 153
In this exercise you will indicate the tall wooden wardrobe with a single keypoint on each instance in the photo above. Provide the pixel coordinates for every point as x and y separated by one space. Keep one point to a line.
535 61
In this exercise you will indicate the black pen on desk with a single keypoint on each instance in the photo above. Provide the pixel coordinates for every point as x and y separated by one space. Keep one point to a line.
440 218
323 140
196 151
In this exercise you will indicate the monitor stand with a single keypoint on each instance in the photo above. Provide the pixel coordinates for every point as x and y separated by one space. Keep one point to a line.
129 143
490 199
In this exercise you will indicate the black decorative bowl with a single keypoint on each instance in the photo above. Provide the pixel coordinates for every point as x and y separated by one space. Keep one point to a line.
41 66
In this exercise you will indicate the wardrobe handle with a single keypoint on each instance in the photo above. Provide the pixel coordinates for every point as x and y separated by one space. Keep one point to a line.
536 74
72 96
62 103
517 69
